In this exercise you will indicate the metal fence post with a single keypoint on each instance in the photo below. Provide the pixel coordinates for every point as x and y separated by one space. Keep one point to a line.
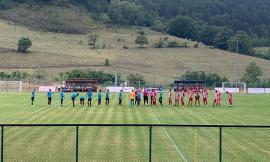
220 144
77 143
150 144
2 143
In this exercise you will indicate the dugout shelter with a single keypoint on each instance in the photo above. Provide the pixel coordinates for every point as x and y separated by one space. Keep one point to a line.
80 85
183 84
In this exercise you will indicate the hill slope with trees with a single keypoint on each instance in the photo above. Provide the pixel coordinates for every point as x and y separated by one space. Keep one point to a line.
218 23
117 33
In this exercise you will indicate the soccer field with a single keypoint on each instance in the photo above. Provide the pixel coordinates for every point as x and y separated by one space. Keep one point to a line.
131 143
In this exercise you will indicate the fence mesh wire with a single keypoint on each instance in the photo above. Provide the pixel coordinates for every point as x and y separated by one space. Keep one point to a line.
113 144
39 144
185 144
132 143
1 143
246 144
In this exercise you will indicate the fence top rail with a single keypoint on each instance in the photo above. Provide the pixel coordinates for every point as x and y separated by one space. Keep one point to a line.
135 125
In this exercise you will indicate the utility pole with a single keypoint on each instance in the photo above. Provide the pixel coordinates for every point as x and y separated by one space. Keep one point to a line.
185 72
115 79
236 59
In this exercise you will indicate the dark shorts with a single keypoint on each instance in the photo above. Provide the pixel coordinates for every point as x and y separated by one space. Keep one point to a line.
49 99
81 100
32 98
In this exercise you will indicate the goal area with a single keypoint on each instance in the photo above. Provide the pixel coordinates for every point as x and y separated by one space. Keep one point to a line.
11 86
239 87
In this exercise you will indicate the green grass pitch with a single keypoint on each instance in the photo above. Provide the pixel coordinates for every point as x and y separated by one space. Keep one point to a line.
131 143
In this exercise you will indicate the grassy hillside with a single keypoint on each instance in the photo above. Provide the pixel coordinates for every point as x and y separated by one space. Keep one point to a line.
154 63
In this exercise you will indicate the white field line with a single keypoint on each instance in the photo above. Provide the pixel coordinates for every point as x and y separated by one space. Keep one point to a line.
173 143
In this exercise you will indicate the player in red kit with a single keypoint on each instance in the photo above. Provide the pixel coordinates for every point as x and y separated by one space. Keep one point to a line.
215 102
170 97
197 99
190 97
205 96
230 99
177 96
218 98
154 98
182 96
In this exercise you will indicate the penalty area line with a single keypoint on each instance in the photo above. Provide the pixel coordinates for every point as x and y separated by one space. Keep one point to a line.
173 143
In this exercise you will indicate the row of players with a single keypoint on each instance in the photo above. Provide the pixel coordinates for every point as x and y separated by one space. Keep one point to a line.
136 96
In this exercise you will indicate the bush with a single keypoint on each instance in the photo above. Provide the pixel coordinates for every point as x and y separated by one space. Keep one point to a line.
159 44
107 63
211 79
141 32
141 40
136 78
173 44
196 45
24 44
93 40
13 76
185 45
125 47
166 38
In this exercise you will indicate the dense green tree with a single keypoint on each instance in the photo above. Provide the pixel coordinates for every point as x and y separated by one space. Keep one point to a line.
181 26
16 75
252 74
211 79
141 40
234 14
208 34
135 78
24 44
100 75
126 12
241 42
222 37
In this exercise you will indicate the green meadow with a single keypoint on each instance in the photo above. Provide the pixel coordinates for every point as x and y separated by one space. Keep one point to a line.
132 143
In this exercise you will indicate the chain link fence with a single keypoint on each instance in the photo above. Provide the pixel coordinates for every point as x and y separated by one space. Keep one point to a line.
133 142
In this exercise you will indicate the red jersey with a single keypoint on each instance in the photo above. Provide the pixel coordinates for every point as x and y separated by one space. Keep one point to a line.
230 96
145 93
190 94
170 95
205 95
177 96
216 95
182 95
